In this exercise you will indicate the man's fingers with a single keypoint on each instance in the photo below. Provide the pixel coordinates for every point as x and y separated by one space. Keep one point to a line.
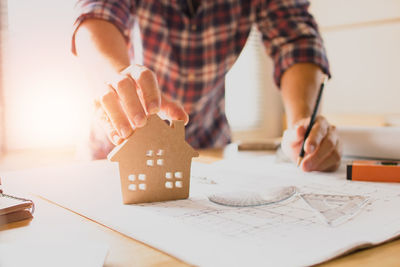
107 126
300 132
111 105
129 99
292 140
146 82
294 135
331 162
326 156
132 95
114 137
112 134
322 146
174 110
317 134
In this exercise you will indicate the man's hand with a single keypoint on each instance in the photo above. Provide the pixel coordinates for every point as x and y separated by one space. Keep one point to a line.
322 147
132 96
299 86
133 93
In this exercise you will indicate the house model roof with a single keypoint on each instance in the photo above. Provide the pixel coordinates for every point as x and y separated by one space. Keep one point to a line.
156 133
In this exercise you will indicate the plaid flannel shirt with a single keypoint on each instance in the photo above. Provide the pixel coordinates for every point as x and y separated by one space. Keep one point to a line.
191 55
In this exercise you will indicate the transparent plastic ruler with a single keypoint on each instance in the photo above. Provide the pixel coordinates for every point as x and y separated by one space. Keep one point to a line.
335 209
331 209
251 198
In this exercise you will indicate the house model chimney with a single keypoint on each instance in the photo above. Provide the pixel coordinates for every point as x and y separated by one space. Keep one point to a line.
179 129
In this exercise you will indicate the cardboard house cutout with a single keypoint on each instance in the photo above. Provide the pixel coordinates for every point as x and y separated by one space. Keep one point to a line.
154 163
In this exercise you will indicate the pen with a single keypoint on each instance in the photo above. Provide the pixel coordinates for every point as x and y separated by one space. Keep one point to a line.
312 120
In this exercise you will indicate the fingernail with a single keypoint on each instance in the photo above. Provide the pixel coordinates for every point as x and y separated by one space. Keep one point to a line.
116 139
140 120
311 148
125 131
153 108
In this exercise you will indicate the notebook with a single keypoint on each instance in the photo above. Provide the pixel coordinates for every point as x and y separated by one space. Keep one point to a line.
13 209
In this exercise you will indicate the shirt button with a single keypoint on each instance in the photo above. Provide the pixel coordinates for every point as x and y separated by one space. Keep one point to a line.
191 77
193 27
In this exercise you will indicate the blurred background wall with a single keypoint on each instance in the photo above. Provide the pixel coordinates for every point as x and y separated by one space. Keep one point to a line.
45 91
3 30
363 40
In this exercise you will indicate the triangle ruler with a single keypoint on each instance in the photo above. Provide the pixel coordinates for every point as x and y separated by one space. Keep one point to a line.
335 209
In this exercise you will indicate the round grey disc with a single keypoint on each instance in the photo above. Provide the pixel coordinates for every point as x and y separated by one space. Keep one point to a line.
253 198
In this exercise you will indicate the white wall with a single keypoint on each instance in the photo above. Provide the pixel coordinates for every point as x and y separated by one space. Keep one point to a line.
363 43
45 91
3 27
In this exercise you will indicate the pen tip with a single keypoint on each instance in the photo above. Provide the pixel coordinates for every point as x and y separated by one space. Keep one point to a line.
299 160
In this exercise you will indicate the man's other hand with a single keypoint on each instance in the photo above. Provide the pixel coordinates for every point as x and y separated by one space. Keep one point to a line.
322 147
130 98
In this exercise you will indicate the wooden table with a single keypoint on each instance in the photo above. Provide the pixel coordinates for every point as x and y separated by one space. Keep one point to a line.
54 223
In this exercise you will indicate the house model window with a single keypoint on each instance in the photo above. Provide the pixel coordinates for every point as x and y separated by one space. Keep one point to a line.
157 159
137 184
154 163
173 180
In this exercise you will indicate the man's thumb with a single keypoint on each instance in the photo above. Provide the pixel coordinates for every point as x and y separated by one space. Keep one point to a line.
300 131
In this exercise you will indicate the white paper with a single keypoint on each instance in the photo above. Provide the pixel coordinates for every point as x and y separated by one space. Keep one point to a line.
63 254
207 234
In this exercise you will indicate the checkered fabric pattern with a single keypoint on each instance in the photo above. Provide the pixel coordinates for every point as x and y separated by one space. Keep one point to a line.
191 55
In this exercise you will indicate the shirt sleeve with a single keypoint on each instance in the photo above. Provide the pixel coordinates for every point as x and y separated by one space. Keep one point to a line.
118 12
290 35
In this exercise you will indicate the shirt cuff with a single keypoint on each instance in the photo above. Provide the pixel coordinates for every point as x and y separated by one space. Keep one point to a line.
307 50
120 18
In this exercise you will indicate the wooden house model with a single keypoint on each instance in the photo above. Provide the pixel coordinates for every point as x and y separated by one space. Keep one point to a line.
154 163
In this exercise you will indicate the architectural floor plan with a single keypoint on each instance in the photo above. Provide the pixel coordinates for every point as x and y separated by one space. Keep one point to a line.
204 233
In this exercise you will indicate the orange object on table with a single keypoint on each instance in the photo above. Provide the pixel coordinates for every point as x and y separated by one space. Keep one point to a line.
374 171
